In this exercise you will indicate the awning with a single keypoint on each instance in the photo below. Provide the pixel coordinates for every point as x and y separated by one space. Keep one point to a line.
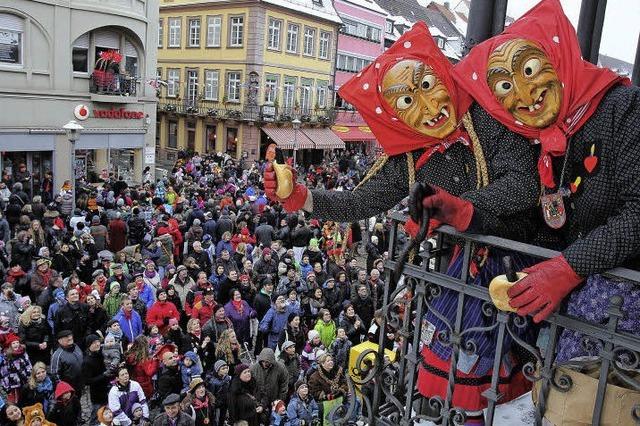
324 138
286 137
354 133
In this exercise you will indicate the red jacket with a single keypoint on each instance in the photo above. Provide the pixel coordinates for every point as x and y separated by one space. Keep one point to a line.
173 230
142 372
117 235
159 311
202 311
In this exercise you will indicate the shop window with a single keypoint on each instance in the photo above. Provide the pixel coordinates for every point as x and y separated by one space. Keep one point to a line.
210 139
232 141
173 134
191 136
11 39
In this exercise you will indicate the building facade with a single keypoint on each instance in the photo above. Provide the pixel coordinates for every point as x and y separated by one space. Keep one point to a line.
236 74
360 41
83 60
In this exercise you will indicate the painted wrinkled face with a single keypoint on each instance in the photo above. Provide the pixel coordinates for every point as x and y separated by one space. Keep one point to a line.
419 98
524 81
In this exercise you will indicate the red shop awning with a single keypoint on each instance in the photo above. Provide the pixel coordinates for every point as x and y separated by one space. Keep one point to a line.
323 138
354 133
284 137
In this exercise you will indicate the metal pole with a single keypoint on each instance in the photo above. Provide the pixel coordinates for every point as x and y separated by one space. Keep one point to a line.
499 15
295 147
586 22
480 23
636 66
597 32
108 158
73 175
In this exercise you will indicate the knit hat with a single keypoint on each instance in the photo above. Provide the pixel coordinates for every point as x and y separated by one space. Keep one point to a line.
287 344
240 368
278 405
299 384
97 273
90 339
160 291
114 284
312 334
196 222
11 337
266 251
218 365
136 406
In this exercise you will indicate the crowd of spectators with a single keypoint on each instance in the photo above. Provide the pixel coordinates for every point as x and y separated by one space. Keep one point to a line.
187 300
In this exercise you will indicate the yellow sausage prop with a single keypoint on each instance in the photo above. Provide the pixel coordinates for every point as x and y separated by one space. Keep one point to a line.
498 291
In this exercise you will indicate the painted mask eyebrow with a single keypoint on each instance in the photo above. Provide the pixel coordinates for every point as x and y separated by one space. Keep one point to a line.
418 70
524 51
398 88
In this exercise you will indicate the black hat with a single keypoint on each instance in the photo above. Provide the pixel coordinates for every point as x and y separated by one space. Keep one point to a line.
64 333
90 339
172 398
160 291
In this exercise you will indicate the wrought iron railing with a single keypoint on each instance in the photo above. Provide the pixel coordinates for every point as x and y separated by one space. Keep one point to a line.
395 400
108 83
241 112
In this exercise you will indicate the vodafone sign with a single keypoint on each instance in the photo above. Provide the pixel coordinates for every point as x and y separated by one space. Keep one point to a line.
81 112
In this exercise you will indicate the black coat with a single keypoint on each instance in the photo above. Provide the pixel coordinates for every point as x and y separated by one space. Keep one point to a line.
97 320
244 402
32 336
169 381
95 376
68 414
75 318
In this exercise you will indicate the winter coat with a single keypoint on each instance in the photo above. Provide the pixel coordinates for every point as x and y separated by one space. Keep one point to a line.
96 319
348 324
271 383
65 413
183 419
169 381
296 337
33 335
11 308
262 304
112 303
364 308
121 400
73 317
300 410
131 327
202 311
340 350
182 287
160 313
66 365
244 402
142 372
42 394
95 376
15 369
214 329
327 332
117 235
327 384
292 365
241 320
219 387
205 412
273 323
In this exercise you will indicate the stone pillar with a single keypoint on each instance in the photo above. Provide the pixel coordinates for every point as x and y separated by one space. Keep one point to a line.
62 162
138 164
182 133
200 135
221 131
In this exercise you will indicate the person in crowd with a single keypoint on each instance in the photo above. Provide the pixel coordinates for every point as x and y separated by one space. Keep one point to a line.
123 395
272 379
15 366
65 409
326 327
311 349
240 314
291 361
169 378
217 324
66 361
328 381
352 324
38 389
162 311
245 406
340 348
12 415
73 315
219 383
190 368
97 317
35 332
293 333
303 409
228 348
199 403
275 320
94 373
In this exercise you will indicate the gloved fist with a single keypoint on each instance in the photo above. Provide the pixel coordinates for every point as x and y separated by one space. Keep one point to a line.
295 201
449 209
412 227
542 291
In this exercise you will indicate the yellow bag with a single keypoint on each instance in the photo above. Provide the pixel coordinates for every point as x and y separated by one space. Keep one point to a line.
575 407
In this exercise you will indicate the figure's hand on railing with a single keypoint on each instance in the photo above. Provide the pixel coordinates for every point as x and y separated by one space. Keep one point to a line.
291 202
542 291
448 208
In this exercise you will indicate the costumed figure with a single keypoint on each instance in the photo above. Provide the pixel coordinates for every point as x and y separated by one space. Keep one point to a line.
481 179
533 80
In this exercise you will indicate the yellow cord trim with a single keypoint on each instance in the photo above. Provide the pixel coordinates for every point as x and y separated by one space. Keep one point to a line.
482 178
379 164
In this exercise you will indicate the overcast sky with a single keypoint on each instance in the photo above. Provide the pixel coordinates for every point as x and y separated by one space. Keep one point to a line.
621 24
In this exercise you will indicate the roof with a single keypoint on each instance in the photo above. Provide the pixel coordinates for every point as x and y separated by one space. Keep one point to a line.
325 11
616 65
367 4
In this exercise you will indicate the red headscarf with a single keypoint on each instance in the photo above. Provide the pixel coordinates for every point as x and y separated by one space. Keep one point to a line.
364 92
583 84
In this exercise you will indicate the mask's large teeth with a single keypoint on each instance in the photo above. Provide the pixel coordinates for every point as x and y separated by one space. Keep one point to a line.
430 123
444 112
531 108
540 98
537 106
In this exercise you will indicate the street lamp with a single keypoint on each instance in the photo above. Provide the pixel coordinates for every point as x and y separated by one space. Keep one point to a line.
73 129
296 125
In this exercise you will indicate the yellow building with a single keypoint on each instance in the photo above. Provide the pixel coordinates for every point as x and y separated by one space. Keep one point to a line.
240 74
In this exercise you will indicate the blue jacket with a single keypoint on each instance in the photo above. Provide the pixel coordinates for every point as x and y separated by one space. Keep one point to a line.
299 410
273 323
223 245
147 296
131 328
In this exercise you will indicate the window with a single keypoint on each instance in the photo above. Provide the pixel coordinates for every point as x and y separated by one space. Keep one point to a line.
373 34
440 42
130 59
388 27
194 32
351 63
160 32
11 39
237 31
292 38
173 134
211 84
362 30
191 135
289 94
306 96
321 96
173 82
309 41
325 43
214 31
232 140
174 32
275 25
233 86
270 88
192 86
80 53
210 138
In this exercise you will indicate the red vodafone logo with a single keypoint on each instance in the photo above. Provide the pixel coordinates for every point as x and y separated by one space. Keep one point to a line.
81 112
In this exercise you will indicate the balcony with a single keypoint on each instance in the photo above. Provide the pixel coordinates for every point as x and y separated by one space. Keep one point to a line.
613 358
230 111
112 88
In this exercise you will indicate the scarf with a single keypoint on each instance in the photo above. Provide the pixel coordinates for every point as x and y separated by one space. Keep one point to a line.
14 276
199 404
583 84
150 274
364 92
238 305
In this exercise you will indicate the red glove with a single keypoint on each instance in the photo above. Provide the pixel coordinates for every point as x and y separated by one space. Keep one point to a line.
449 209
412 228
293 202
544 288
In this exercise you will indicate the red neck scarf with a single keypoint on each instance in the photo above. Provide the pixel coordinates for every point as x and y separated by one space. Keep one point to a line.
237 304
364 92
583 84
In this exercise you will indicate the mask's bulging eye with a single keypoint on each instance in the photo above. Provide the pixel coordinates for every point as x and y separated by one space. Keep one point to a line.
531 67
503 87
404 102
428 81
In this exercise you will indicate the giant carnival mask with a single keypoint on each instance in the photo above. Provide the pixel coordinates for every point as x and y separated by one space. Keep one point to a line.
419 98
408 98
525 82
